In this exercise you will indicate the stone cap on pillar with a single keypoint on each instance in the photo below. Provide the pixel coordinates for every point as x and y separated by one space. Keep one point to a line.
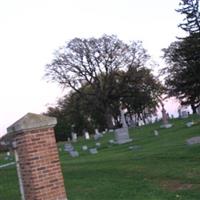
30 122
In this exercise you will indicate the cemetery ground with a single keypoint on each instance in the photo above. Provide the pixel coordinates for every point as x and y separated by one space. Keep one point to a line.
151 167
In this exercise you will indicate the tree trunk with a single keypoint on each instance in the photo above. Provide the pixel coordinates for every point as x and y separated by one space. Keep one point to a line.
194 108
109 121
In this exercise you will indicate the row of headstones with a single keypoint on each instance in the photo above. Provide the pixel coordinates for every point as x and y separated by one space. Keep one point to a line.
68 147
183 113
97 135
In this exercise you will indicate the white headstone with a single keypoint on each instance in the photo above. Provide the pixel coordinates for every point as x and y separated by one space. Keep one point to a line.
156 133
122 136
87 135
97 131
111 141
97 135
189 124
193 140
98 144
93 151
84 148
74 137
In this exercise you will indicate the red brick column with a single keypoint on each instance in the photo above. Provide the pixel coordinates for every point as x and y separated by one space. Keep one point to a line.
38 158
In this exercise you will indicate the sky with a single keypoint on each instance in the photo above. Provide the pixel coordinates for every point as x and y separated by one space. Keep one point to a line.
31 30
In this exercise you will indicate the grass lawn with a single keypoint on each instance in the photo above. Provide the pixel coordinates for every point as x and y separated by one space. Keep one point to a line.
157 168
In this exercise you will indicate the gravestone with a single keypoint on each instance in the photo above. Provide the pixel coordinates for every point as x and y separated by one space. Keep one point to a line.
134 147
193 140
84 148
68 147
98 144
111 141
87 135
97 135
8 156
121 134
73 153
93 150
189 124
156 133
165 124
74 137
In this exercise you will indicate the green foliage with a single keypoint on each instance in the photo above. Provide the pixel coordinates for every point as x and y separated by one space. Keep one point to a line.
136 88
102 72
183 58
191 22
183 71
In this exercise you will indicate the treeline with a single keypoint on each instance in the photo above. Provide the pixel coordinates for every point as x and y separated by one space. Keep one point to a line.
105 72
102 73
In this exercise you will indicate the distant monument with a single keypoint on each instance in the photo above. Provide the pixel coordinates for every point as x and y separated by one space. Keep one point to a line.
121 134
165 117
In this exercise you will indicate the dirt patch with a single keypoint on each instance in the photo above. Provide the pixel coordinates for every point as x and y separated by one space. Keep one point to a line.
174 185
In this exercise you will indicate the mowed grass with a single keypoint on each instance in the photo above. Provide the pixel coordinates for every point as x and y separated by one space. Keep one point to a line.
156 168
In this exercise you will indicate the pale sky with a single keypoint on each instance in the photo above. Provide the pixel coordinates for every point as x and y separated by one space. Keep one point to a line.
31 30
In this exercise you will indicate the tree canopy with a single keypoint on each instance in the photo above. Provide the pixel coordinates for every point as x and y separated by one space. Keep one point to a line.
183 58
183 71
102 72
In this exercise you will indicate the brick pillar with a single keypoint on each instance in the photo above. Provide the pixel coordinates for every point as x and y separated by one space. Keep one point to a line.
38 157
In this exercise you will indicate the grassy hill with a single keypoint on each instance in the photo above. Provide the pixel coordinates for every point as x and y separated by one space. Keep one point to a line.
151 167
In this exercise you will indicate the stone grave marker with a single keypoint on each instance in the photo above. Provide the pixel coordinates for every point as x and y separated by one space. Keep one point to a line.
93 150
111 141
73 153
156 133
165 124
8 156
189 124
87 135
97 135
134 147
68 147
84 148
193 140
98 144
121 134
74 137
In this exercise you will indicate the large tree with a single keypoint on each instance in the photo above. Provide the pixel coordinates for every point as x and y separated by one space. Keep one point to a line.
95 63
183 71
183 58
